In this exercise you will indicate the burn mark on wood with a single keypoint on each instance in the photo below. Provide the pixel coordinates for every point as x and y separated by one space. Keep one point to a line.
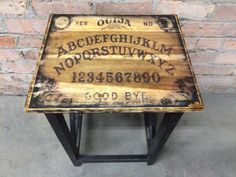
166 23
45 83
60 23
51 99
166 101
186 85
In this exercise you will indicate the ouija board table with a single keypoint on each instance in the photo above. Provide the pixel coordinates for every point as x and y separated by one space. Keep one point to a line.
96 64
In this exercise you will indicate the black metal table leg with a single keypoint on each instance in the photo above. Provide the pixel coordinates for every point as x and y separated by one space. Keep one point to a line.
150 120
78 117
73 124
70 139
76 128
59 126
166 127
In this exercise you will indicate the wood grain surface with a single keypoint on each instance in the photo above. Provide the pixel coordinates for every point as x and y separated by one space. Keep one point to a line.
113 64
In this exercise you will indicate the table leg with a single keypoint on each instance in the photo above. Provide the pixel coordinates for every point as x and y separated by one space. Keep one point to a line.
164 130
73 124
150 120
59 126
76 128
70 139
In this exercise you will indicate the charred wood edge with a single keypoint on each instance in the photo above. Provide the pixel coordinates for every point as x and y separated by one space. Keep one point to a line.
70 139
182 41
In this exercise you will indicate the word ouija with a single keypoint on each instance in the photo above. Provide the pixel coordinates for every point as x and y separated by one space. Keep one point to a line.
113 21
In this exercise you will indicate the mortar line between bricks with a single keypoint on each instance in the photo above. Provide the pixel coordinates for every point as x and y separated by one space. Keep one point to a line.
37 17
181 19
211 37
207 20
220 2
19 48
19 73
41 35
215 75
23 35
214 37
20 34
213 64
224 52
154 6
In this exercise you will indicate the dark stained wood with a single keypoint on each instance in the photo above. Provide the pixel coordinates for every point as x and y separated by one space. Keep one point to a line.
113 64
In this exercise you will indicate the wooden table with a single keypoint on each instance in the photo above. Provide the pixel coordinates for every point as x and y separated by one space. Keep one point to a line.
94 64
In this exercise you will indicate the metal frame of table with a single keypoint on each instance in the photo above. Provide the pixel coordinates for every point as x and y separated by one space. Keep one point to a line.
70 137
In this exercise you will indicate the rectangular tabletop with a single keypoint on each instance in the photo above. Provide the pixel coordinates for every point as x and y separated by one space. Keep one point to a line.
113 64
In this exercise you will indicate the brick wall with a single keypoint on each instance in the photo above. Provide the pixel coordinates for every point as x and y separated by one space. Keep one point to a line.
209 27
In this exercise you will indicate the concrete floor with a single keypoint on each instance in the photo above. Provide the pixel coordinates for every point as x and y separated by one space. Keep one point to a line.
202 145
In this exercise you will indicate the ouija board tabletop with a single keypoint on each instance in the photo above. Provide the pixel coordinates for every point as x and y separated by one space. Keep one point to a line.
113 64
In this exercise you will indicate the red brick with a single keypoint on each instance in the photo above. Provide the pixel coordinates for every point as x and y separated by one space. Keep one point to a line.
29 26
217 84
16 7
132 8
209 43
203 56
229 29
14 89
190 10
209 29
203 43
16 54
31 54
216 80
229 44
226 58
14 84
9 54
7 41
224 11
19 67
32 42
192 28
15 78
215 69
44 8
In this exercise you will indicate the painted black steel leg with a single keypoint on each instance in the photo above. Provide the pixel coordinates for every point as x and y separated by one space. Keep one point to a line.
166 127
58 124
70 140
150 126
73 126
147 128
78 118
